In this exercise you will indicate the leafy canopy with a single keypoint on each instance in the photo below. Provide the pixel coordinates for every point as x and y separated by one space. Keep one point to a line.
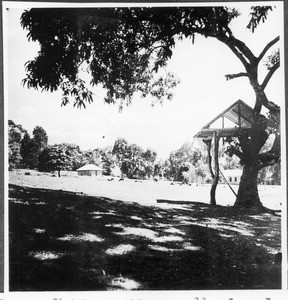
59 157
121 48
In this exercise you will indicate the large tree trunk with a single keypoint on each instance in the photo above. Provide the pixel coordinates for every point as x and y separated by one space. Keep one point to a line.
251 145
248 191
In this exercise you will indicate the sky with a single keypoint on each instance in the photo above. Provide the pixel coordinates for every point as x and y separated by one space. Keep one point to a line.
202 94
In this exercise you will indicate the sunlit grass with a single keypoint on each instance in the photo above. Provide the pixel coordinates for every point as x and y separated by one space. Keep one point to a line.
85 237
44 255
120 249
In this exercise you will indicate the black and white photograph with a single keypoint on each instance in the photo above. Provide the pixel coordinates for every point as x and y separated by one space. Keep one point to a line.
145 150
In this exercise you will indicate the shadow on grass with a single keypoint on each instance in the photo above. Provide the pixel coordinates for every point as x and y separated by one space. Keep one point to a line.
64 241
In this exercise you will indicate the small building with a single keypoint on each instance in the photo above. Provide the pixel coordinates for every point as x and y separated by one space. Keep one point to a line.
90 170
233 176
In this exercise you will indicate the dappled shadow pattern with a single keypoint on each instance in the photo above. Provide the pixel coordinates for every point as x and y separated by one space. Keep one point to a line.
66 241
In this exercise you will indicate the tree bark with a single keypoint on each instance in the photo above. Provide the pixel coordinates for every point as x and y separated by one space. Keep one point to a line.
248 190
251 145
59 173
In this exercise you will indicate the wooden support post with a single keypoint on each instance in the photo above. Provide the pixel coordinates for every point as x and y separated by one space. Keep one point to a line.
208 143
216 139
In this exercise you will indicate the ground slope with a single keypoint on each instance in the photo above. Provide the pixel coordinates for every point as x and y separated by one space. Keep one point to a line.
69 241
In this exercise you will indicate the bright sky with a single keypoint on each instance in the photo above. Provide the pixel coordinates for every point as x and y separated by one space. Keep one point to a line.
202 94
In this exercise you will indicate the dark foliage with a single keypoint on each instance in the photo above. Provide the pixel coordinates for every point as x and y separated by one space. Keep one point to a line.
59 157
134 161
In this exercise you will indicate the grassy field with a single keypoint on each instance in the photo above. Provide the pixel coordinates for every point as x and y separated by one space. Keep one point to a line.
62 239
142 192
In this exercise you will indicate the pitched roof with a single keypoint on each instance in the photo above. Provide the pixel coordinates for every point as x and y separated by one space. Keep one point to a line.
238 113
90 167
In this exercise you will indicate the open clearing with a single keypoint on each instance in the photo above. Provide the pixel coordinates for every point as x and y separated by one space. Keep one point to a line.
71 234
142 192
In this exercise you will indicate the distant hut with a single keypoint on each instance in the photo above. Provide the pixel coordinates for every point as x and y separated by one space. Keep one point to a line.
233 176
90 170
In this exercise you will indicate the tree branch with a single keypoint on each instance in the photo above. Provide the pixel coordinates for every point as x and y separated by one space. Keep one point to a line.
272 156
235 151
232 76
245 50
268 159
261 96
267 47
269 75
238 54
239 49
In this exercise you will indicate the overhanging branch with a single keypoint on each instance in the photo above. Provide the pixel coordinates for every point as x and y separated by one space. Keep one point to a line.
267 47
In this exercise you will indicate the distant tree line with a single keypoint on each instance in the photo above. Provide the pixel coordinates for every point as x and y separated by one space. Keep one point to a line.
188 164
35 153
24 151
